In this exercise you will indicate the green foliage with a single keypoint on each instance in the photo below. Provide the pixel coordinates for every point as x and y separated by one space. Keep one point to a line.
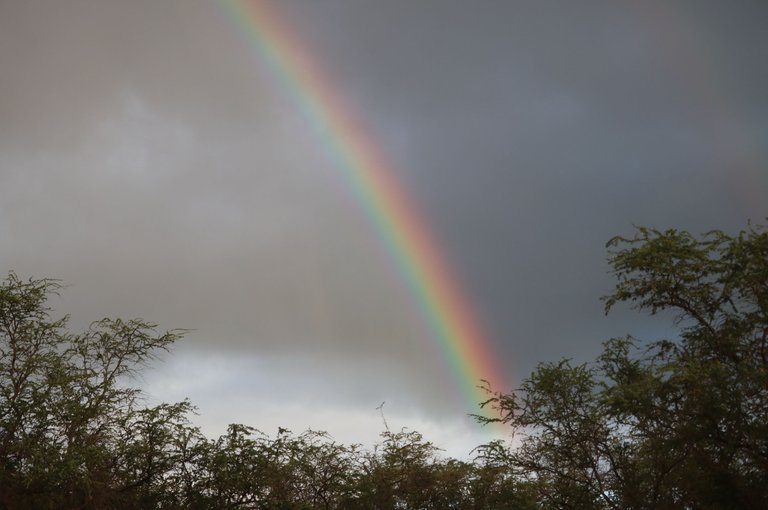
667 424
65 418
73 435
679 423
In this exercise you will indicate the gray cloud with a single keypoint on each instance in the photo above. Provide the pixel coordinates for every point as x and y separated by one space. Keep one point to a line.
147 159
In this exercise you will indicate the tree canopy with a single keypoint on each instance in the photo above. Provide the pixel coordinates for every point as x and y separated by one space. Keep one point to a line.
678 422
670 423
75 435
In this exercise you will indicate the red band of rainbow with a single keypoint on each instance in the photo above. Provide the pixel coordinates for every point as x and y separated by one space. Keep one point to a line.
361 163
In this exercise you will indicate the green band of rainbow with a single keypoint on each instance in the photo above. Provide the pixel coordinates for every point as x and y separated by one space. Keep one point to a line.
368 172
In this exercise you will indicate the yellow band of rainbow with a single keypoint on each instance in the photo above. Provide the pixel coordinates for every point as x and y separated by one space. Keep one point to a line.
363 166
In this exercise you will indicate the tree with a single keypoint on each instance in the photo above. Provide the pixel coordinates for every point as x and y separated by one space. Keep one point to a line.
673 423
400 472
678 422
67 423
73 435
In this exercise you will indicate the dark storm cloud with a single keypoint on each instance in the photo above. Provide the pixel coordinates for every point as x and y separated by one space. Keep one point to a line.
532 132
149 161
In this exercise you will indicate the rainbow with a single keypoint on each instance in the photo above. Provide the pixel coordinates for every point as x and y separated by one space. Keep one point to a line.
363 166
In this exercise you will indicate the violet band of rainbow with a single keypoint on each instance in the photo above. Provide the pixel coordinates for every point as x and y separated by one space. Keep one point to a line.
360 162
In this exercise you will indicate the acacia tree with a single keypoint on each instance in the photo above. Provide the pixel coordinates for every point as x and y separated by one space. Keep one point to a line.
700 403
245 468
405 471
73 434
65 417
671 423
679 422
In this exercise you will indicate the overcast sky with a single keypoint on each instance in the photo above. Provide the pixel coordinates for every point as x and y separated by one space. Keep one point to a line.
149 161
